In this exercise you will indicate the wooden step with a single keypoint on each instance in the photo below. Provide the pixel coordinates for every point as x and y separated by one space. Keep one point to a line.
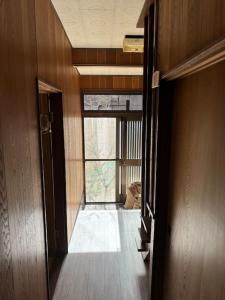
141 246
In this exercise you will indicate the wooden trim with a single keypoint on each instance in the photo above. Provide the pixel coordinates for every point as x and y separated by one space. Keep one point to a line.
105 57
55 106
160 209
100 159
123 157
203 59
103 203
118 120
45 88
111 114
148 108
111 91
59 171
83 162
144 13
144 142
42 190
125 161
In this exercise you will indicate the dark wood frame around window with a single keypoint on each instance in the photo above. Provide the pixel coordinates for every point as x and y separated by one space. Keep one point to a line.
134 115
122 113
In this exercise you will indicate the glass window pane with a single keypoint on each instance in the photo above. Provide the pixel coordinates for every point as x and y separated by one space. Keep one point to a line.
133 174
100 138
136 102
100 181
103 102
112 102
134 139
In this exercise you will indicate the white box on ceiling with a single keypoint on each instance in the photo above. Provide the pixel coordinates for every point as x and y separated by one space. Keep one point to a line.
133 43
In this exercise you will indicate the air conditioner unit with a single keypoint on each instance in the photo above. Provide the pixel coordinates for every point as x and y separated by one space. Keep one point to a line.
133 43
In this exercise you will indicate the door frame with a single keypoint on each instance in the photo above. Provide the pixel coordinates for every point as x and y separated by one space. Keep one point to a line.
107 114
158 94
101 159
43 87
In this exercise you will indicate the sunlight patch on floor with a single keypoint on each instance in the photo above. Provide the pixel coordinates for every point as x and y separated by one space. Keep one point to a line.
96 231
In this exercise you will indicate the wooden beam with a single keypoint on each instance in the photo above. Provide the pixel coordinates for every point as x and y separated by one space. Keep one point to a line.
105 57
102 82
144 13
199 61
134 115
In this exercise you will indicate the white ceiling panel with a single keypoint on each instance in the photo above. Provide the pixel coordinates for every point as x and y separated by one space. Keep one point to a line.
99 23
97 4
105 70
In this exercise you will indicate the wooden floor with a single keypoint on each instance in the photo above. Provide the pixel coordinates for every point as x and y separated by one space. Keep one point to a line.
103 263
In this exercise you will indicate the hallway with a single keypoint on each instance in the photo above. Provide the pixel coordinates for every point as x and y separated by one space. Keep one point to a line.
112 150
103 262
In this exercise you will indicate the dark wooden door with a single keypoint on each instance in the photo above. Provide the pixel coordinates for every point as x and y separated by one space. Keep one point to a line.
156 155
53 183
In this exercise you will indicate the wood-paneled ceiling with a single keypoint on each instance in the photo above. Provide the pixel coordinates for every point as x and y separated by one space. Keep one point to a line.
99 23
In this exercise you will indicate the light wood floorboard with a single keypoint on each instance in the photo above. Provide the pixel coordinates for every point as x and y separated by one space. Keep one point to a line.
99 269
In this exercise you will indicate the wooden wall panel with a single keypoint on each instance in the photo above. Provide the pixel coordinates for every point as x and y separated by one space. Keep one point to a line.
187 26
6 267
111 82
22 267
106 57
55 66
196 257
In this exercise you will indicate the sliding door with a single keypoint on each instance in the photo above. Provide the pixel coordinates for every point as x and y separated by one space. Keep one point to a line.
112 145
100 159
112 157
130 153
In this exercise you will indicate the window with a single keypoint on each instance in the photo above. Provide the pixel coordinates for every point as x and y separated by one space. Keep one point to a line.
112 102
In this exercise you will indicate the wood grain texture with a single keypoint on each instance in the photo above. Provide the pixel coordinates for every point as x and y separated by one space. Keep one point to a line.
201 60
99 82
105 57
22 249
55 66
23 275
48 178
196 259
186 27
6 273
